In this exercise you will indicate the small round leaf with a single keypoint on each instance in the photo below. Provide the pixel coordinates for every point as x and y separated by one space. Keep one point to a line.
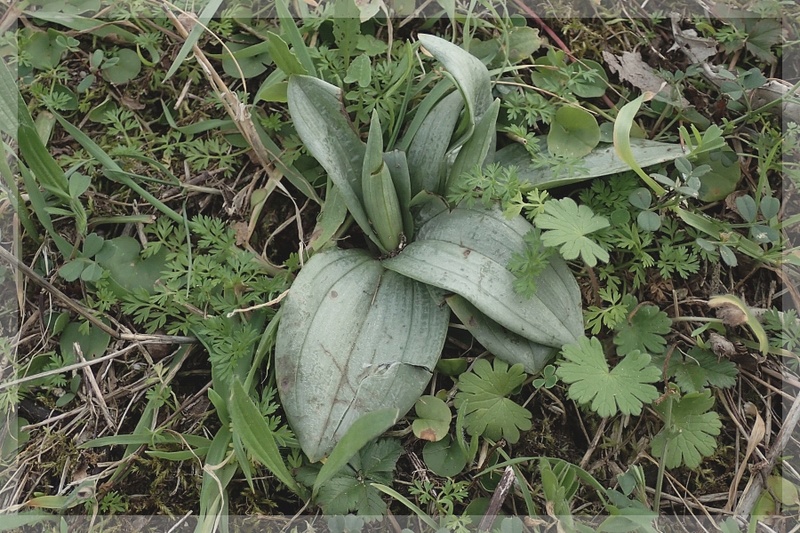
126 68
573 133
648 221
641 198
444 457
434 419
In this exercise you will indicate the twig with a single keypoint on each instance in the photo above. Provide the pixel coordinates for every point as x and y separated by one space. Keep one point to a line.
95 388
67 368
593 445
499 496
755 486
69 302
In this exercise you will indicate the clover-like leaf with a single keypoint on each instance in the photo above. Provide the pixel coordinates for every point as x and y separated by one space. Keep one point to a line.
701 368
644 331
434 418
690 430
623 389
567 224
483 393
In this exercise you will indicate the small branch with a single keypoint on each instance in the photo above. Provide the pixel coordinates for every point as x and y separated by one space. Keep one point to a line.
755 486
499 496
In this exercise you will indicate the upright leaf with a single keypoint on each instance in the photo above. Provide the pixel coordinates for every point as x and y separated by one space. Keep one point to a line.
427 163
369 427
622 140
478 149
318 116
470 76
354 338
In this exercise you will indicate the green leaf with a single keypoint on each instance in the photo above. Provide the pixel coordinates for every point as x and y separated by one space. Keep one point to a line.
573 133
194 35
444 458
330 219
283 57
255 433
351 489
747 207
360 71
427 163
623 389
127 67
770 207
71 270
622 140
466 251
689 432
602 161
433 420
648 220
724 176
483 393
502 343
368 427
92 343
353 338
643 331
469 74
700 368
477 150
129 272
316 111
292 34
567 224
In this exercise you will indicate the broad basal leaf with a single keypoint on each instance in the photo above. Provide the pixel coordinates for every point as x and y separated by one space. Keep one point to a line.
623 389
644 330
567 224
502 343
353 338
467 252
689 432
483 393
433 420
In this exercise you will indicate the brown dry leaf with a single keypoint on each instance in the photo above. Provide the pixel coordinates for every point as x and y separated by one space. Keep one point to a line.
631 68
722 347
730 314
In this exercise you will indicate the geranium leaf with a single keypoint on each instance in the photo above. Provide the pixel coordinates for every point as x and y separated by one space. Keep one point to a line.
701 368
644 331
483 393
567 224
689 434
623 389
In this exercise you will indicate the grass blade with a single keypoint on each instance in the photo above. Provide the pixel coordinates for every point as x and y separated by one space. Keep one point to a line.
256 435
194 35
368 427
